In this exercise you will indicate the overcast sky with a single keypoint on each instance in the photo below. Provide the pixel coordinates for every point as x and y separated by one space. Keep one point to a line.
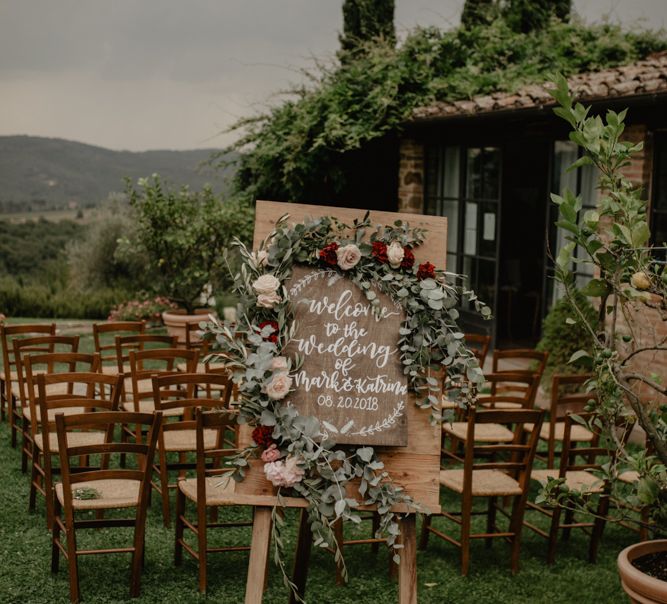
149 74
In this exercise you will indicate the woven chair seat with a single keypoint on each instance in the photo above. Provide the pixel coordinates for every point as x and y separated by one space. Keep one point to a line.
113 370
487 433
201 367
485 483
144 386
502 405
575 480
186 440
629 476
114 493
27 413
577 433
74 439
218 489
13 376
148 406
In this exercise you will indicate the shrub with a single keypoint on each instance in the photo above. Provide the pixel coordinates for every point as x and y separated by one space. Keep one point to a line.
563 334
150 310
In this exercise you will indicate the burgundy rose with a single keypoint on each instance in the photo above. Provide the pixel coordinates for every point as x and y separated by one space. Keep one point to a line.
426 271
408 258
262 435
380 252
328 254
273 337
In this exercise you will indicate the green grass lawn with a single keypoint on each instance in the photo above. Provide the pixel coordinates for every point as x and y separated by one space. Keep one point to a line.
26 578
25 559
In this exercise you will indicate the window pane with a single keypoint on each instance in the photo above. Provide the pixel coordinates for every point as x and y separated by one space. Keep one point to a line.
451 211
487 242
474 174
491 174
452 171
470 240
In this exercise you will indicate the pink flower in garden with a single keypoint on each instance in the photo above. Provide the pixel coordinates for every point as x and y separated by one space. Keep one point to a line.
271 454
284 473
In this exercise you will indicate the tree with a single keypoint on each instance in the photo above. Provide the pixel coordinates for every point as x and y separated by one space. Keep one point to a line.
529 15
364 21
478 12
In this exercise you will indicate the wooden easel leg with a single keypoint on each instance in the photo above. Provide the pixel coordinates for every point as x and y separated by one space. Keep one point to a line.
302 557
259 555
407 570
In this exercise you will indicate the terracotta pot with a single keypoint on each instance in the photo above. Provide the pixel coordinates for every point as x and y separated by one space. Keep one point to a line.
176 322
641 588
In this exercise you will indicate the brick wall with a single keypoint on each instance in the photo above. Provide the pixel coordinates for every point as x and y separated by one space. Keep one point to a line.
640 167
411 177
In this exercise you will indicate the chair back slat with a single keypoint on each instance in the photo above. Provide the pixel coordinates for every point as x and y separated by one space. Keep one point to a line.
520 384
104 337
479 344
139 342
146 364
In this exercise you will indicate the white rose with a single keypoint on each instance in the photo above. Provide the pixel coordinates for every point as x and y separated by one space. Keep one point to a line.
279 386
259 258
395 254
268 300
266 284
279 364
348 256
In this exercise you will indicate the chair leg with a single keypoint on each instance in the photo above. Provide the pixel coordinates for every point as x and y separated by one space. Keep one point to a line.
516 526
553 534
25 439
72 563
34 474
491 520
569 518
423 537
55 537
598 528
202 545
375 547
138 554
11 412
3 400
164 487
180 511
466 519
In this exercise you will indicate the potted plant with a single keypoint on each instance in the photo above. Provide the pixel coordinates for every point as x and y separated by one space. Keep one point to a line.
624 346
182 233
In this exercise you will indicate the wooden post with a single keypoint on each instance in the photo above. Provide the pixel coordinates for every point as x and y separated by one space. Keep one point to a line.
259 555
407 571
302 557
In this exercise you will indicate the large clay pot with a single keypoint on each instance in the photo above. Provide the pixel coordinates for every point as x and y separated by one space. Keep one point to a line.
641 588
176 323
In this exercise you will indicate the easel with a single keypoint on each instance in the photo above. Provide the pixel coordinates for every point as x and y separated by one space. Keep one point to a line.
416 467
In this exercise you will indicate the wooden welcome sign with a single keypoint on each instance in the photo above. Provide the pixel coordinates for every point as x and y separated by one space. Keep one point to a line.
352 378
352 381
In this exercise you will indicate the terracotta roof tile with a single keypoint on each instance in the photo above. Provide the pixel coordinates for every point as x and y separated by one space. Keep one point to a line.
642 77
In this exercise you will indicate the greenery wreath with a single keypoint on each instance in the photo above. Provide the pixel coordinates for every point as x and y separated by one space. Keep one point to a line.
297 459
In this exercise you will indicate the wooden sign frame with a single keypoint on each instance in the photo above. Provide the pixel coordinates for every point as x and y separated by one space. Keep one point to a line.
416 466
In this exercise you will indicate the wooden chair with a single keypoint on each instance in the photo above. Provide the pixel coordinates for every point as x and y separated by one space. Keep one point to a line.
24 348
85 393
177 395
104 336
115 488
564 400
8 377
211 488
519 359
479 344
577 467
520 384
490 471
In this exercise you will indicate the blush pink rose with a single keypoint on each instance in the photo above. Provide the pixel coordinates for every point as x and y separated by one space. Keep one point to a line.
279 364
279 386
348 256
271 454
268 300
266 284
284 473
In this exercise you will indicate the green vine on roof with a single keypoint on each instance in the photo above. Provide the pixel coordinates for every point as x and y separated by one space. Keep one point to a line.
297 144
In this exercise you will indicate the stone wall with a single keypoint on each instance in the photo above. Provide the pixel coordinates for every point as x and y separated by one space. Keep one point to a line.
411 177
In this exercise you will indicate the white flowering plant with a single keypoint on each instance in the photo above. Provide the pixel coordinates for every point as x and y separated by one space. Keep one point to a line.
298 460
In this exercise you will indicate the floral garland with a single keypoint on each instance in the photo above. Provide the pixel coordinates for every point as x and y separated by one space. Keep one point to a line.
296 459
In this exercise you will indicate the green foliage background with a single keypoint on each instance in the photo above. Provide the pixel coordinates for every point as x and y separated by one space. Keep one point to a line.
298 144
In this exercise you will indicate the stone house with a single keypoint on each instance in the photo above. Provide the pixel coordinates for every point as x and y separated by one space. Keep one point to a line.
490 163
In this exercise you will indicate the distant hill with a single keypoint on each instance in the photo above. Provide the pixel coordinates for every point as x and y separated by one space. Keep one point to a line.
50 173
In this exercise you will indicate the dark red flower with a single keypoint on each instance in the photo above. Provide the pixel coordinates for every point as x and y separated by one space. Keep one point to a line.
408 258
328 254
273 337
380 252
262 435
426 271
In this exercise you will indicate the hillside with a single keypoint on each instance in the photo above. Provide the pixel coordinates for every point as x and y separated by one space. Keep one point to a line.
50 173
